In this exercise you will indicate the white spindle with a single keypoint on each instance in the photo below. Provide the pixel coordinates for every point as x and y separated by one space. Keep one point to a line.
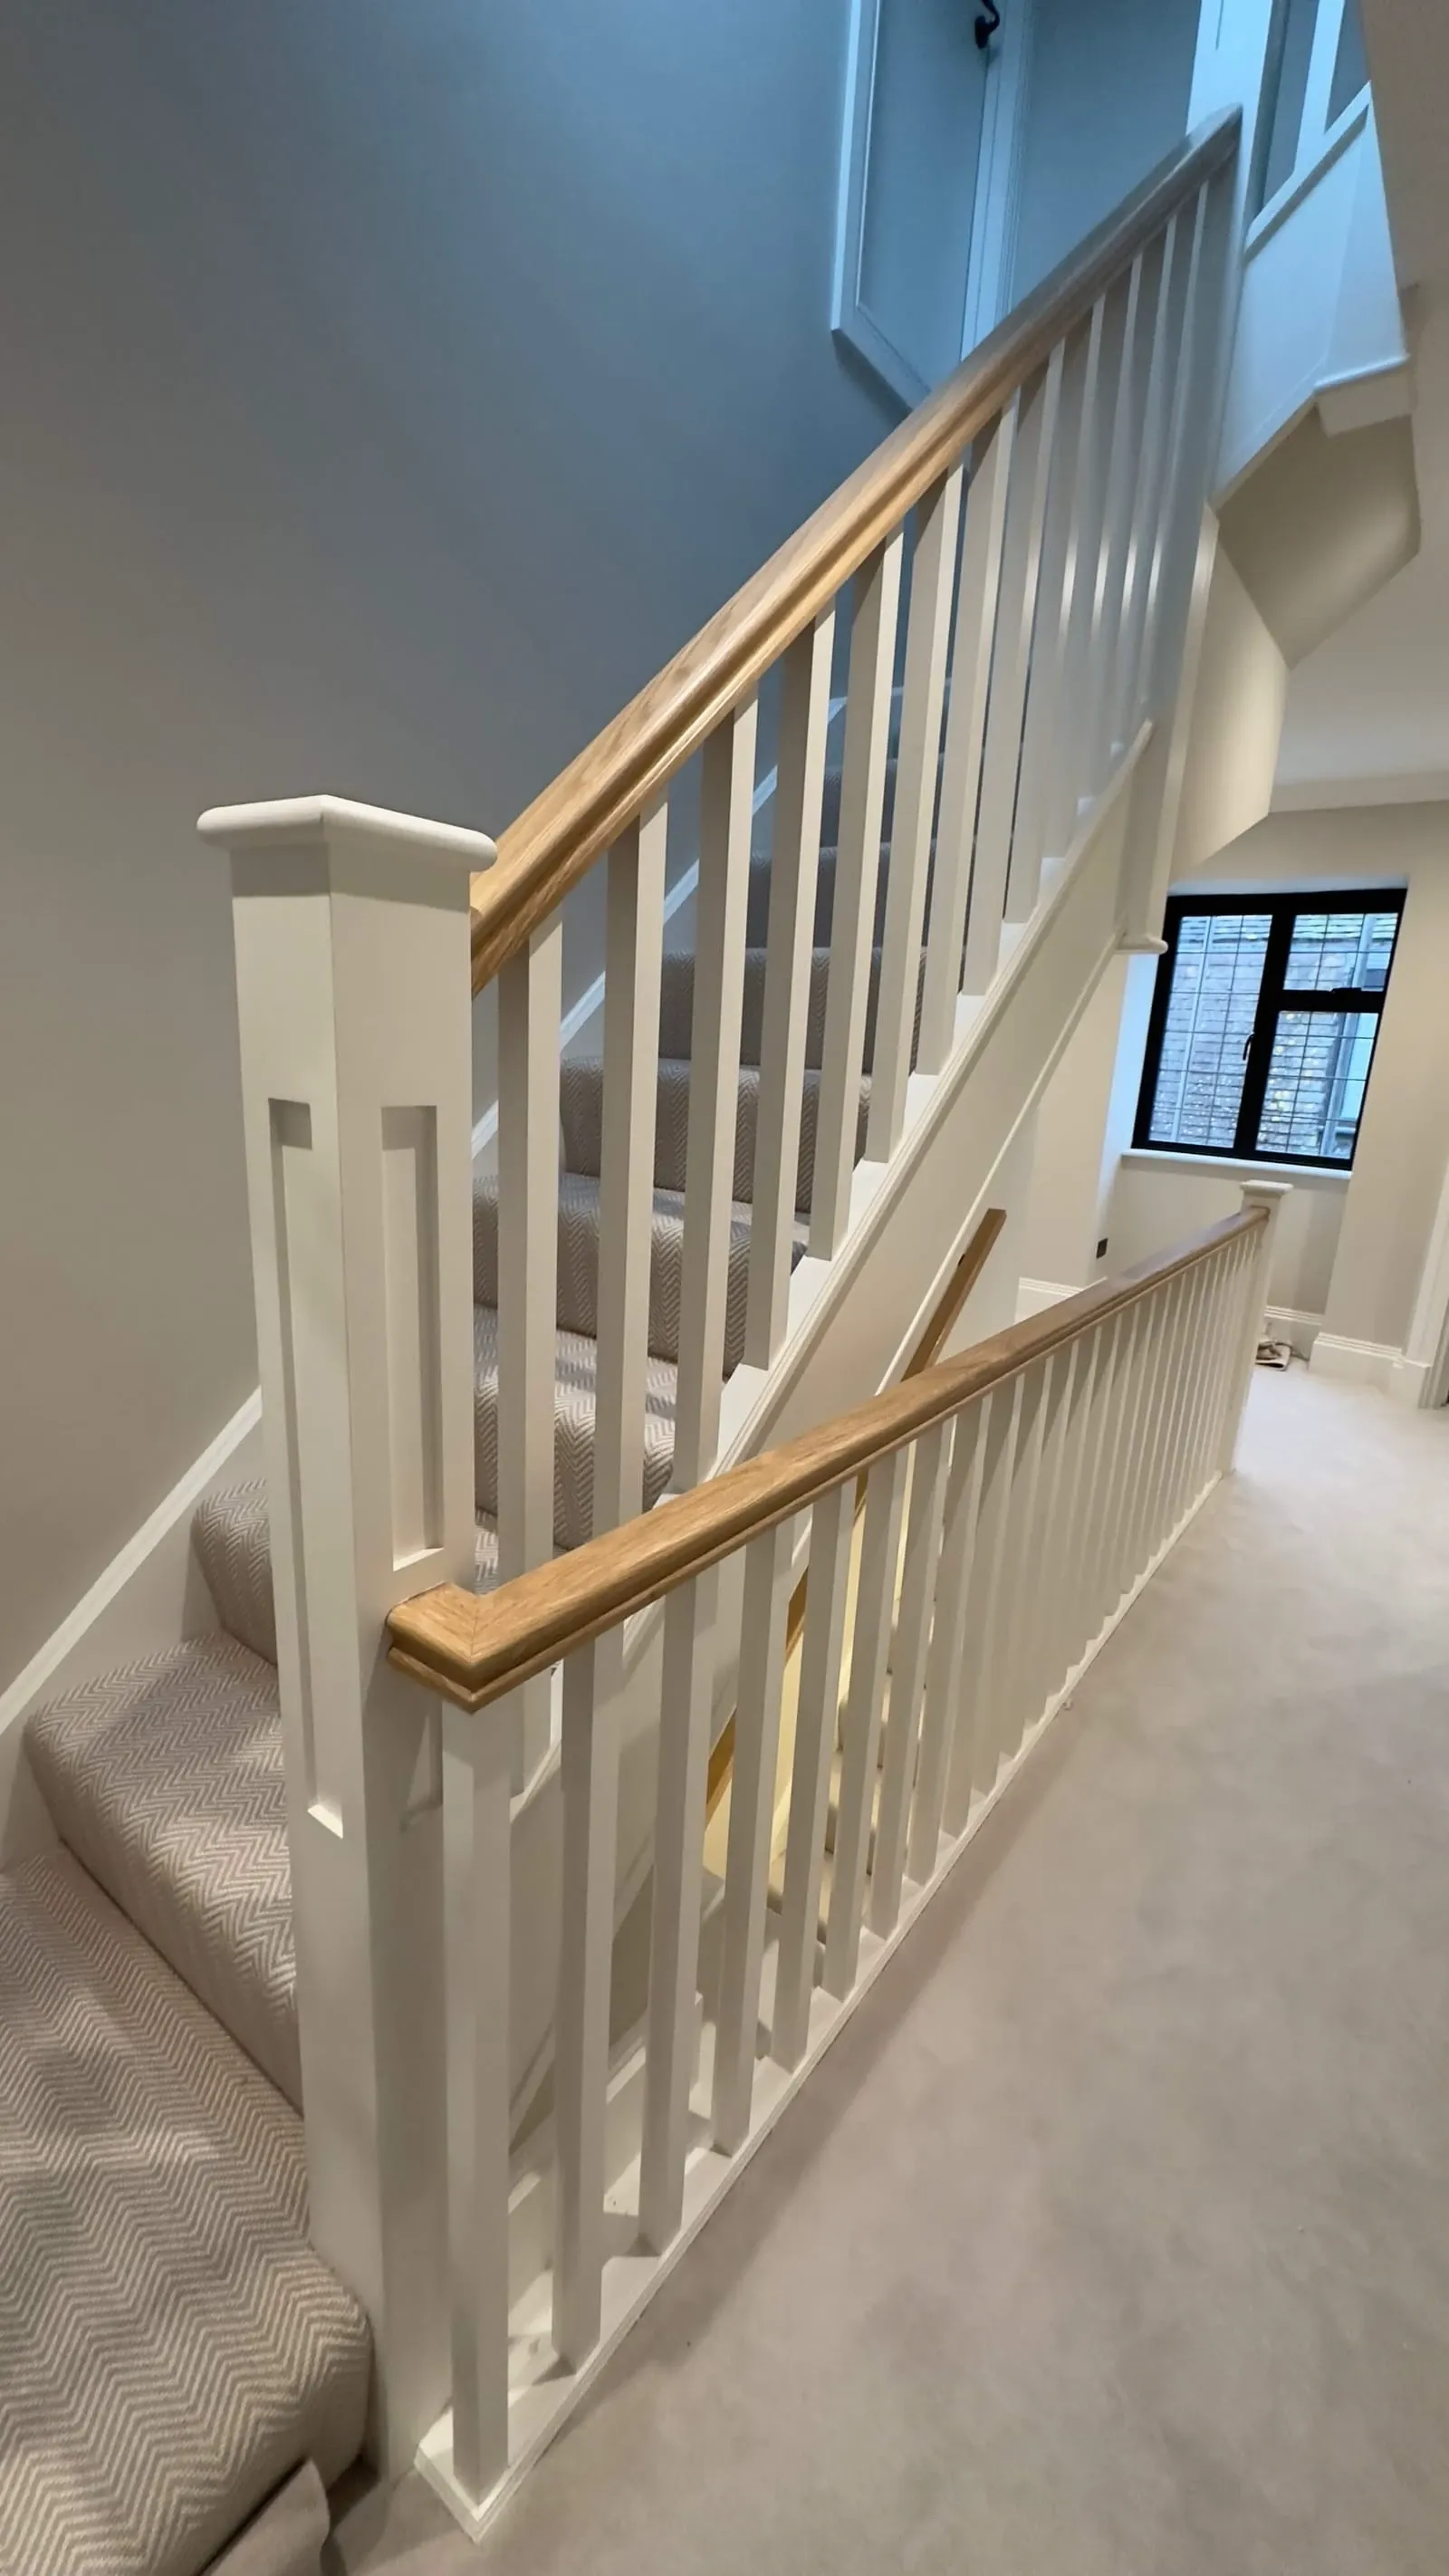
945 1721
1116 1463
752 1802
686 1703
1072 780
353 1000
530 1003
817 1719
860 1742
1122 460
1040 1677
590 1786
1180 1303
794 868
1040 793
1256 1194
1177 528
1010 667
634 935
477 1773
1193 1328
1019 1571
1121 1563
853 904
907 1675
1154 1379
928 628
1066 1589
1204 1363
976 608
1111 1355
1211 1428
1171 270
973 1758
726 795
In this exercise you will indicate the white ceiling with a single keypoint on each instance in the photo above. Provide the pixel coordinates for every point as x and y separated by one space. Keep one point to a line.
1368 711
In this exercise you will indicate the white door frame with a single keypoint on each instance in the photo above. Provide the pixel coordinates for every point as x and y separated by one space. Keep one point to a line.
993 220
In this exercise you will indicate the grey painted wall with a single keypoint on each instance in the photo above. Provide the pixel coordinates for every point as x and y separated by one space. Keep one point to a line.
1108 97
390 385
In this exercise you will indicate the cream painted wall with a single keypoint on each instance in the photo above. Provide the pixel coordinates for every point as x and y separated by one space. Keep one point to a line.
1237 719
1066 1200
390 386
1160 1199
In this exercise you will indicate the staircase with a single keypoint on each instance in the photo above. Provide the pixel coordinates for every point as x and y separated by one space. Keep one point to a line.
177 2363
567 1475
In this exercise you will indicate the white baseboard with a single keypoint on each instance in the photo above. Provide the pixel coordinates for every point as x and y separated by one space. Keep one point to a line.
1362 1363
1297 1325
1033 1296
149 1597
1409 1380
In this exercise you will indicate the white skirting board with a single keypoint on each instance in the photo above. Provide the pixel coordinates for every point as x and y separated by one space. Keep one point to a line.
1364 1363
1033 1296
149 1597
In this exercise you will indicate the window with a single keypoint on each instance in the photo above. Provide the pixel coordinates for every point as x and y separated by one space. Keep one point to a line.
1263 1025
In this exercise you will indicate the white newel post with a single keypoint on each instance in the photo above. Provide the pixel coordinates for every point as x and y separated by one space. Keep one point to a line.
353 993
1269 1195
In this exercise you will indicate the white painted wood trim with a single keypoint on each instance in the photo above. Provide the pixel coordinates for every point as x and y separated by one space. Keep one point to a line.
1362 1363
122 1587
994 214
151 1596
1033 1296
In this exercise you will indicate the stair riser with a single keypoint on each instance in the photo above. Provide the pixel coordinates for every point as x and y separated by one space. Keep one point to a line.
581 1106
578 1271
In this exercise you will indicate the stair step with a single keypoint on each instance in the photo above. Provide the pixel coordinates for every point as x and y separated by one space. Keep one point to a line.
581 1101
232 1540
578 1262
676 1017
575 1378
166 1782
170 2346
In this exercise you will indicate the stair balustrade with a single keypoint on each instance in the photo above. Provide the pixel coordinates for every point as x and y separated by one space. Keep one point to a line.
1017 1499
965 667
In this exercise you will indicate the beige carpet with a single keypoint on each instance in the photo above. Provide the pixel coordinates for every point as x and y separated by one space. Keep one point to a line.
1112 2239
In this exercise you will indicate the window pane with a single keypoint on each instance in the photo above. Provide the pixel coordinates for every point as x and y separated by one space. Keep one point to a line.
1331 949
1216 975
1284 106
1316 1081
1350 72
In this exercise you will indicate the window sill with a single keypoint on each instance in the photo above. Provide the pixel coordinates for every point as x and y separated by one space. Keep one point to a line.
1222 1167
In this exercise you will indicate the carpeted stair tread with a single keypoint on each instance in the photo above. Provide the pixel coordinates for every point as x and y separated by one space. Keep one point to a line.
166 1782
577 1307
575 1379
232 1540
170 2346
581 1103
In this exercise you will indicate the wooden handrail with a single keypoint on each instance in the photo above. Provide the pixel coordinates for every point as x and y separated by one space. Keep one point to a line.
544 853
473 1647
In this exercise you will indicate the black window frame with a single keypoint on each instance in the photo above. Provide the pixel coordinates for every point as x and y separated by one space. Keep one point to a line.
1275 995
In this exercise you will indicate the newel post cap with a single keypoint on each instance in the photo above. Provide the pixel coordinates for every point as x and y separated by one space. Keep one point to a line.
325 833
1265 1194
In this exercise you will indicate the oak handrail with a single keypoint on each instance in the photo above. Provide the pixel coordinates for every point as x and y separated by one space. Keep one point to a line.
473 1647
544 853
